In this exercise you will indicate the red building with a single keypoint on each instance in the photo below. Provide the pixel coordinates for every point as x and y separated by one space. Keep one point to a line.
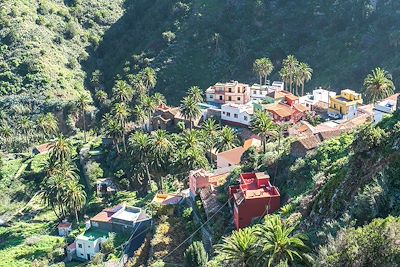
255 197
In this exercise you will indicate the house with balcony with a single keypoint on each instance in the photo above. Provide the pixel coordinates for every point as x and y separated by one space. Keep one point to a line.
345 105
319 97
237 114
386 107
120 219
259 92
230 92
201 179
253 198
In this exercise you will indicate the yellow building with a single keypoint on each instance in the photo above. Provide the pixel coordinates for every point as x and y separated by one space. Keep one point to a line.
344 105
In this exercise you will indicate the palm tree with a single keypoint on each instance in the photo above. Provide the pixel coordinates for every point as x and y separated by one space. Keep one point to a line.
284 76
297 79
47 124
190 139
83 103
141 150
121 112
60 151
262 124
239 248
290 63
211 130
112 129
65 169
25 125
52 194
101 96
305 75
279 243
190 109
75 197
263 67
227 139
159 99
378 85
149 106
196 93
122 91
161 148
140 115
6 133
148 77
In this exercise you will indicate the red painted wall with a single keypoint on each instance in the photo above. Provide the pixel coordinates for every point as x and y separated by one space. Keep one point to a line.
253 208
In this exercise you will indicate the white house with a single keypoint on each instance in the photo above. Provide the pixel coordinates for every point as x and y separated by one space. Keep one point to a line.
260 91
385 107
318 95
64 228
88 244
236 114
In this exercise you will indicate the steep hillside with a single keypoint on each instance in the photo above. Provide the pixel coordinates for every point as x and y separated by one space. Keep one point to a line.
200 42
42 44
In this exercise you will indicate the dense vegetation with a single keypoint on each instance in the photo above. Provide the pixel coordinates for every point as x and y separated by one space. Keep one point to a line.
86 77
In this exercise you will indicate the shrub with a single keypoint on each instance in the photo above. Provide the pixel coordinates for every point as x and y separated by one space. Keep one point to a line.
108 246
196 255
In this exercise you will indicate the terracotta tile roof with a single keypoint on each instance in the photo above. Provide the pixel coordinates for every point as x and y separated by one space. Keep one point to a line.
291 97
310 142
64 225
167 199
251 142
281 110
72 246
300 107
44 148
102 217
331 134
233 156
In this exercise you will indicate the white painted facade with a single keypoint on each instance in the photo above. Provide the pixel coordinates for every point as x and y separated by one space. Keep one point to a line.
384 108
318 95
260 91
87 248
237 114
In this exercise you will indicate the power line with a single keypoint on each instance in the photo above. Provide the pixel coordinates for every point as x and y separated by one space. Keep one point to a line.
201 226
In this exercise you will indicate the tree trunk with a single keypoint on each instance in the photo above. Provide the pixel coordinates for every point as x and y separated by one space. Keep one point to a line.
76 217
290 84
124 142
265 79
260 80
302 88
117 146
264 140
84 125
190 124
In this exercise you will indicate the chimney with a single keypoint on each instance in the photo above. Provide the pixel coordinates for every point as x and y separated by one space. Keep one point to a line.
87 225
398 102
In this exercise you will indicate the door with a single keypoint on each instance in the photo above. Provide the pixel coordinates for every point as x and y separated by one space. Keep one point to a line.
88 257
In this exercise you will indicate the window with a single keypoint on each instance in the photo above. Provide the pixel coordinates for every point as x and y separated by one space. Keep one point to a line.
223 112
211 96
239 98
79 245
245 118
230 90
235 115
229 98
220 97
254 92
228 114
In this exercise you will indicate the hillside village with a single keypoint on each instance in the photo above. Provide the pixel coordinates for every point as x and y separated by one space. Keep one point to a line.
149 210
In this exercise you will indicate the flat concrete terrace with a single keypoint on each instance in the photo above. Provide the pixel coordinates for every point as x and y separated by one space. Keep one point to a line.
93 234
